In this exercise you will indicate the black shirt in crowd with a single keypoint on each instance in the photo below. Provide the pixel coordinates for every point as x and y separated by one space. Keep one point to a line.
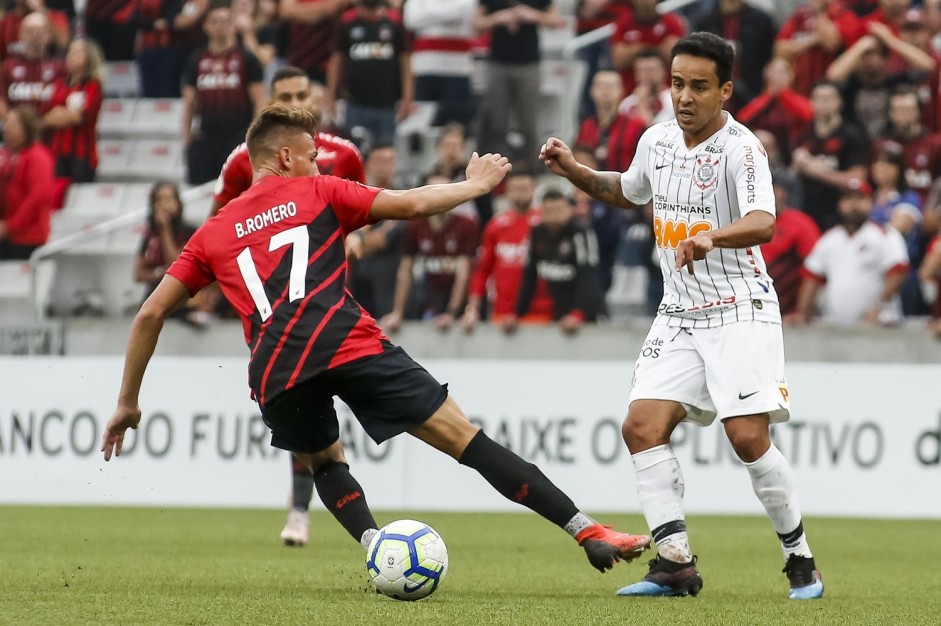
373 49
521 46
221 82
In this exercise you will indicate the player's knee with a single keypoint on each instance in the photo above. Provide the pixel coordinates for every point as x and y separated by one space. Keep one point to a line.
749 443
638 434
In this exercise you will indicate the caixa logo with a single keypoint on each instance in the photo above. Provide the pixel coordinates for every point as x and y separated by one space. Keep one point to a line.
928 446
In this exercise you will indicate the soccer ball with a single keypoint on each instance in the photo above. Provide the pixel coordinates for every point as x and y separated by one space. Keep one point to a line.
407 560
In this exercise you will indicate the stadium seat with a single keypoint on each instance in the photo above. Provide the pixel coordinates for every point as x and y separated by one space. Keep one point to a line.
115 117
156 160
114 156
95 198
121 79
157 118
16 296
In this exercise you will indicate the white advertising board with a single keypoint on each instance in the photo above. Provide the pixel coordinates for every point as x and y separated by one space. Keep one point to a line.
865 440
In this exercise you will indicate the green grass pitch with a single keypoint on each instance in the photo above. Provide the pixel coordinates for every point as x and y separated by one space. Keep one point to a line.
182 566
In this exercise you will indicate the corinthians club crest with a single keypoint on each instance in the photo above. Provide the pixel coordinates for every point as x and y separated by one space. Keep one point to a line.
706 172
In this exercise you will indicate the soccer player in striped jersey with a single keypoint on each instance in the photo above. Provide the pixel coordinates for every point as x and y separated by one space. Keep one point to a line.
715 348
278 254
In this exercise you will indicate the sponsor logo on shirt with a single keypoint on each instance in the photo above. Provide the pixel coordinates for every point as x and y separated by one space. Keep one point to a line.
706 172
670 233
750 174
372 51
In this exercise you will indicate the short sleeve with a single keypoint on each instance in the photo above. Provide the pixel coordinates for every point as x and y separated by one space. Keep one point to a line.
748 163
635 182
253 70
351 201
895 254
191 267
817 262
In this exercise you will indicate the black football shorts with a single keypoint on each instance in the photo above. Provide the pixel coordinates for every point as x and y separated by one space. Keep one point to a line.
389 393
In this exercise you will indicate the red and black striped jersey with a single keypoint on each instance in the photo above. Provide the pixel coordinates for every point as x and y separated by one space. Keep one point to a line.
30 81
81 140
278 254
221 82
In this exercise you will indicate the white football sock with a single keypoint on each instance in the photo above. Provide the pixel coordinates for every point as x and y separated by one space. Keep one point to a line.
660 487
773 481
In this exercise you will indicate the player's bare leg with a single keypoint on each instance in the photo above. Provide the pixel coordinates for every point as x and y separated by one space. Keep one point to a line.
340 492
450 431
774 484
660 487
294 532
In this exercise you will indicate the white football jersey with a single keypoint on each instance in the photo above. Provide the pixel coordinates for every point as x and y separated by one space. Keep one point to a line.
697 190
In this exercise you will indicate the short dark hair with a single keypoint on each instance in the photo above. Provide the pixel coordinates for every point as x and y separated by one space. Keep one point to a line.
648 53
272 124
385 145
286 72
905 90
452 128
152 204
708 46
218 4
826 82
520 173
553 194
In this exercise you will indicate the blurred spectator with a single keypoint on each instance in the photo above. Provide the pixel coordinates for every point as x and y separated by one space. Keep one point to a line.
371 67
651 100
606 221
372 277
26 186
887 20
795 235
897 205
922 149
108 23
513 76
643 28
862 8
261 32
752 32
564 254
442 62
11 34
779 109
164 237
780 172
73 116
612 135
451 153
222 92
27 77
591 15
168 32
867 83
812 37
930 275
313 30
916 32
502 257
862 264
436 254
832 153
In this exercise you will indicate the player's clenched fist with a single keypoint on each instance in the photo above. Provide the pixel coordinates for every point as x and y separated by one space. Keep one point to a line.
558 157
488 169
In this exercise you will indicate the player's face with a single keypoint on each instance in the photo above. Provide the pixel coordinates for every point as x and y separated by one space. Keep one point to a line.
556 213
293 92
303 156
697 95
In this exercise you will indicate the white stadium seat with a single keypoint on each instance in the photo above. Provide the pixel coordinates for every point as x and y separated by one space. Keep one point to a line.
157 118
115 117
122 79
114 157
156 160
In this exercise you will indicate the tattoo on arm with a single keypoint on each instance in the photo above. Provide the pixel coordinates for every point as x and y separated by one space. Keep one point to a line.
604 186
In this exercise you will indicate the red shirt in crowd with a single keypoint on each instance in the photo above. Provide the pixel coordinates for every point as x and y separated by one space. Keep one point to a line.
615 145
81 140
795 234
310 45
922 160
335 157
297 324
500 264
26 193
611 12
629 31
436 254
811 66
30 81
785 115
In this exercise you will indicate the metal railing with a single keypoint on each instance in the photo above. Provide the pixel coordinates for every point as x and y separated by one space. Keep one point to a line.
81 237
569 108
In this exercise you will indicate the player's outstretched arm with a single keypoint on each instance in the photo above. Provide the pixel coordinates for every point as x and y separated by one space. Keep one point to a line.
145 330
755 228
603 186
483 174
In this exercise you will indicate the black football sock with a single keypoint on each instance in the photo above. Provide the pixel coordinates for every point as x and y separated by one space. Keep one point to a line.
303 485
518 480
344 498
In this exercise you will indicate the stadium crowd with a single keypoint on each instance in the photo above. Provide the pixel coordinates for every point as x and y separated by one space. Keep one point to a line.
843 95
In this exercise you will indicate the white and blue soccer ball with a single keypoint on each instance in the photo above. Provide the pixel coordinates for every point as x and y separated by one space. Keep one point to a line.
407 560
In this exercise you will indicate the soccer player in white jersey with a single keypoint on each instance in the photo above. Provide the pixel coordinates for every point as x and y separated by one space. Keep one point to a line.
715 348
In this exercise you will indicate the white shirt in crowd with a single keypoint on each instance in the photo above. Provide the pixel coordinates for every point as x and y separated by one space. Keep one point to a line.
854 268
628 106
716 183
444 30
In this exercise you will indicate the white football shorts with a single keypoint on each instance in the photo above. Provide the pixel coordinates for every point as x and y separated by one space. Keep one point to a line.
726 371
